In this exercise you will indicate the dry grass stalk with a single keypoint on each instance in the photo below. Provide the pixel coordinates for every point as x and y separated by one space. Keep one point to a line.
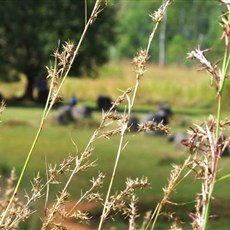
118 202
2 106
172 184
139 62
205 153
18 212
206 142
153 126
58 74
133 213
80 163
72 165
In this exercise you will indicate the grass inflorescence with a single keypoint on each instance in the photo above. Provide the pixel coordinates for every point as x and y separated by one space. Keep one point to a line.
205 144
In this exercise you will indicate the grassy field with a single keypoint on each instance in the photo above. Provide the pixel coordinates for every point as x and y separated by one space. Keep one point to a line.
144 156
186 90
181 87
178 86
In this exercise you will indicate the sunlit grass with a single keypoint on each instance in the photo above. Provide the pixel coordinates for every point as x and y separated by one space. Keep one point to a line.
179 86
143 156
152 155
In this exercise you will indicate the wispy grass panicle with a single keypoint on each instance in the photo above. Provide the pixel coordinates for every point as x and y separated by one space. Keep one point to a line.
133 215
139 62
174 180
225 24
2 108
18 211
49 220
124 201
153 126
91 195
158 15
211 68
206 141
205 153
62 65
177 224
81 217
206 144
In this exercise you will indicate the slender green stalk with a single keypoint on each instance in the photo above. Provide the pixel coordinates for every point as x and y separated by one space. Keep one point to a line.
29 154
111 181
48 107
134 93
156 210
173 183
90 21
140 71
216 158
223 178
23 170
218 117
211 189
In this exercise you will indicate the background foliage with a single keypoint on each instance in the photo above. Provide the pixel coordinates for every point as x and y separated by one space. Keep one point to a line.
30 29
188 23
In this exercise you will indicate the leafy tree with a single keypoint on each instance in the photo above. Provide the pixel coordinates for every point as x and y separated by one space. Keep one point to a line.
188 21
213 37
30 30
134 26
177 49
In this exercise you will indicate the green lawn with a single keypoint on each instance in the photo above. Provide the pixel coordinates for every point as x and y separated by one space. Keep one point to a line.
143 156
179 86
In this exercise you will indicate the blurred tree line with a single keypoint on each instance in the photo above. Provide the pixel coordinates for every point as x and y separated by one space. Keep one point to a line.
188 23
30 30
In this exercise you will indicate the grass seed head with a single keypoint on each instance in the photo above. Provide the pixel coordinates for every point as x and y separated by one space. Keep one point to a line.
225 24
139 62
227 2
81 217
157 15
153 126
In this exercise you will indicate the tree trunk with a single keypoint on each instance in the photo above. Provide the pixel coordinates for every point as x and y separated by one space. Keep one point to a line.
28 93
162 39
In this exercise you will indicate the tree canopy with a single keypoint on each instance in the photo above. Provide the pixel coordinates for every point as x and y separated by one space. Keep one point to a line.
30 30
188 23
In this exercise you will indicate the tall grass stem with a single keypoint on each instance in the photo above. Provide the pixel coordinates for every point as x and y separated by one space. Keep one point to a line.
48 107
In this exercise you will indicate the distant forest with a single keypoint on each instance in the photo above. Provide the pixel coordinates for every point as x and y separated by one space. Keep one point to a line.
187 24
31 30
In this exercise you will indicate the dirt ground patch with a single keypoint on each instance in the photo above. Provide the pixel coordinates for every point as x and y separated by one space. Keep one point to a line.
71 223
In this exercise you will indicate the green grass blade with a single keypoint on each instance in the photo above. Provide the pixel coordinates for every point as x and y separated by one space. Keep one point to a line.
223 178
